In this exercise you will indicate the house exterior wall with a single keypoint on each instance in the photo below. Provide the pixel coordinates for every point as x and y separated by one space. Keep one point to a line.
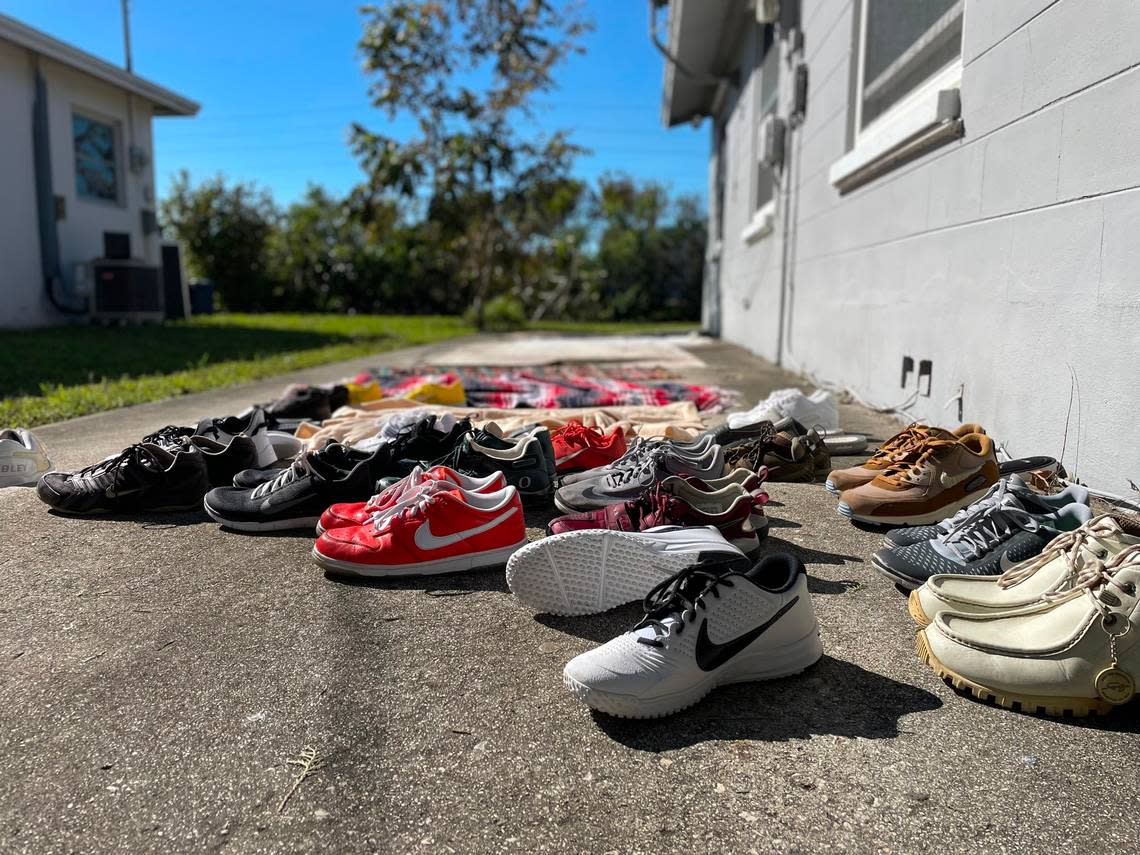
1010 258
84 221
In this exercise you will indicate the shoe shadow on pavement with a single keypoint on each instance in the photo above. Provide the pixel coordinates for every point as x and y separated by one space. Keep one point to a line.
598 627
175 519
772 543
457 584
832 697
780 522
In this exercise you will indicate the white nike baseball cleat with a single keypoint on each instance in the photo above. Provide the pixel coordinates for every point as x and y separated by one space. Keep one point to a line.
701 630
23 458
1077 654
438 531
1025 585
589 571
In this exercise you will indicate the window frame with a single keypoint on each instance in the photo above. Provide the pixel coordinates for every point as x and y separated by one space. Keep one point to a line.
116 161
914 122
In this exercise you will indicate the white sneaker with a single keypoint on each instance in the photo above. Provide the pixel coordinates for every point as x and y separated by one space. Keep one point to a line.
1025 585
1077 654
817 410
702 630
590 571
23 458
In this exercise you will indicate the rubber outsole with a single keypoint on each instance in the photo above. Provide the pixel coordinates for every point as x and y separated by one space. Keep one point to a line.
439 567
929 518
591 571
914 607
896 577
1059 707
254 526
628 706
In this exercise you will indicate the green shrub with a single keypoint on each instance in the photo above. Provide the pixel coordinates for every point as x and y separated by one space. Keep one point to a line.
501 314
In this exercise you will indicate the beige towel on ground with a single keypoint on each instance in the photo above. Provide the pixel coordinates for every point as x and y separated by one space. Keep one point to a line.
679 420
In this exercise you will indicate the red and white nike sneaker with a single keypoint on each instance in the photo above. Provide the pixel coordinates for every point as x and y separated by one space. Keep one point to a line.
359 513
440 531
578 448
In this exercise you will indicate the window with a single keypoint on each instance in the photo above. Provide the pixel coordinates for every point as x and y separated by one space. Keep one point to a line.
907 70
769 70
766 71
96 163
904 43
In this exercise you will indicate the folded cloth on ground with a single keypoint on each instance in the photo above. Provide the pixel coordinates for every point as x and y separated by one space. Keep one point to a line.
542 387
679 420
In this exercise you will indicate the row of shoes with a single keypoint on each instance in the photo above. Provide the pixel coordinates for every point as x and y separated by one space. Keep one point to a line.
170 469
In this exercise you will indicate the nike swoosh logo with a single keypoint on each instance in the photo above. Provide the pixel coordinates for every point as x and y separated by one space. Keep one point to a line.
427 541
949 481
1006 562
711 656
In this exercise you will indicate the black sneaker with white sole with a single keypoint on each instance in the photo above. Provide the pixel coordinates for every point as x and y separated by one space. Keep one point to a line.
223 459
296 498
523 464
143 478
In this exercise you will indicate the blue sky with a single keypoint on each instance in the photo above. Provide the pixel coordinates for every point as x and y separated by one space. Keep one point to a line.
280 83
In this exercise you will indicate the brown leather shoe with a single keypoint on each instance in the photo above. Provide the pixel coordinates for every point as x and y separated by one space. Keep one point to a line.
946 475
904 445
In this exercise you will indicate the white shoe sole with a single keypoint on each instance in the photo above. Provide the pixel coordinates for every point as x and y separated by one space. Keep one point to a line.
253 526
590 571
454 564
919 519
767 664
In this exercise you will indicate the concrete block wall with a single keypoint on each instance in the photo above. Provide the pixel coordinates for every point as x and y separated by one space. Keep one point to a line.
1010 258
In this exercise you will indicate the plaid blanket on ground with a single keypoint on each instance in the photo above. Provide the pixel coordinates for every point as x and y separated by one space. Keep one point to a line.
554 387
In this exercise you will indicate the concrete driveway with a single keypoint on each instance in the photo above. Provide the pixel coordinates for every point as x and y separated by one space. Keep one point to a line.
161 679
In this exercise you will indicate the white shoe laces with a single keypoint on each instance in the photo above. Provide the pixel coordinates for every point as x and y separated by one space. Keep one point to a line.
1071 545
299 468
415 505
985 528
1095 579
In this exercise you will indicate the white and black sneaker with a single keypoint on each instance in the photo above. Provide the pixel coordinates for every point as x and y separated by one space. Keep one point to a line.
23 458
142 478
702 629
589 571
295 498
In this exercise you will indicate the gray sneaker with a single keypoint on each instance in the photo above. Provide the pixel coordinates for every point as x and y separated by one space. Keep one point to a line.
1014 485
639 449
620 485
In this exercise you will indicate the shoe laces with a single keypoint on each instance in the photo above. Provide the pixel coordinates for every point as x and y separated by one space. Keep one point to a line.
910 462
414 506
398 489
1071 545
169 435
988 526
644 465
1096 578
678 598
117 464
576 433
299 468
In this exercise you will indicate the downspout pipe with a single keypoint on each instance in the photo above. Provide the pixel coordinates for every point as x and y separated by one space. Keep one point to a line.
45 202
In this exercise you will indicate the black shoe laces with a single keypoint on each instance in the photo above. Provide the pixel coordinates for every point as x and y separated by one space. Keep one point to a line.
679 597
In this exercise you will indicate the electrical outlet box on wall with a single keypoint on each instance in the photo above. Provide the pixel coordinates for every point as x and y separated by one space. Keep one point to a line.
772 142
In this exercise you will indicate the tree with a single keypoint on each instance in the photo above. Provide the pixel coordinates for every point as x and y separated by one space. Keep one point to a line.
478 172
225 231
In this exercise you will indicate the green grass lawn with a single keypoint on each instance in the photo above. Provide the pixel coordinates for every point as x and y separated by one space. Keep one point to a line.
48 375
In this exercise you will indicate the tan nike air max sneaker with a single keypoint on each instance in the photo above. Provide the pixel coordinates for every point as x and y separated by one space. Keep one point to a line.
1026 585
904 445
947 475
1077 654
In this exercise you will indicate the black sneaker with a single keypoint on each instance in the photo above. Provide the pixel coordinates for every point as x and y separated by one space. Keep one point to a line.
306 403
295 498
542 434
726 436
523 464
223 460
143 478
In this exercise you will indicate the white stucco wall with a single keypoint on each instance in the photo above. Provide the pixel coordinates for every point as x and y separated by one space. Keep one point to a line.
81 229
21 298
1005 257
